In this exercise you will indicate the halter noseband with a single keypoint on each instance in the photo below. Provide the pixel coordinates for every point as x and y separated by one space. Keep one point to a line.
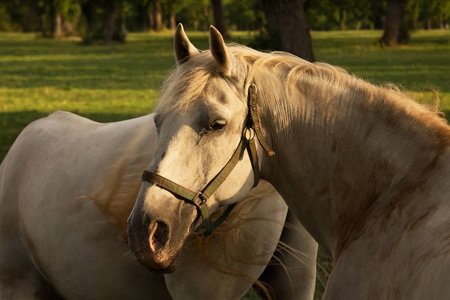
253 127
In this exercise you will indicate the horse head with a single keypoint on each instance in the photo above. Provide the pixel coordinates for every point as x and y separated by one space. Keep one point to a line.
201 119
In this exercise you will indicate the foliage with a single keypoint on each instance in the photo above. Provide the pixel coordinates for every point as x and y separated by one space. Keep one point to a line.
244 15
429 13
135 15
104 20
356 14
195 14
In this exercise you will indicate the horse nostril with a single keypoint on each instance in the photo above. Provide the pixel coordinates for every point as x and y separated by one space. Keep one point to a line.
159 237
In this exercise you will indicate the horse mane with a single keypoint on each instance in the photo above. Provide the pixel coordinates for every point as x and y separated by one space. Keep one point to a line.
294 76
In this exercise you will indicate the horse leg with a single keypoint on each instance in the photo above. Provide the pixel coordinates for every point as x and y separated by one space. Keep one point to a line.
19 278
292 271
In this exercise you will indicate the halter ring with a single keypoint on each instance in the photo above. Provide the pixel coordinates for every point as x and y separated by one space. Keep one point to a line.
249 134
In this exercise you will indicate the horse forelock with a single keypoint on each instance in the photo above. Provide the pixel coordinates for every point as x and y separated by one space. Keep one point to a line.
187 82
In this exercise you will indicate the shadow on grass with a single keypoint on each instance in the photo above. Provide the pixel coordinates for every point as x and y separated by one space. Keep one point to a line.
12 123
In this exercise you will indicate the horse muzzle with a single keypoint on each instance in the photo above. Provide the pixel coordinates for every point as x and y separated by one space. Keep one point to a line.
150 245
157 228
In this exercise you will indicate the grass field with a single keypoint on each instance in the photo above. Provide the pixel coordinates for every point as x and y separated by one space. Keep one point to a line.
116 82
109 83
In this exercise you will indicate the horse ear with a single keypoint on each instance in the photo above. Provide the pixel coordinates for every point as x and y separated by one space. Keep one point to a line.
183 47
220 51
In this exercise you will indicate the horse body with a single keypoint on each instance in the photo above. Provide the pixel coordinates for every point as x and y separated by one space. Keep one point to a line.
364 168
64 235
67 187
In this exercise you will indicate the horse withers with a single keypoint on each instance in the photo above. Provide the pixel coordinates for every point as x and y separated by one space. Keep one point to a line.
363 167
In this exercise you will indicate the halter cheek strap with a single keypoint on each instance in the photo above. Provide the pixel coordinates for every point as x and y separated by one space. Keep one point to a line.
200 199
253 108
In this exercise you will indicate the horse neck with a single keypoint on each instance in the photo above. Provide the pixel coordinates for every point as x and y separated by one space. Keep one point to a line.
343 152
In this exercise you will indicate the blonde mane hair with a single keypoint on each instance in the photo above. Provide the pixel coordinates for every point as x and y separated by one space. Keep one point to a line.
293 76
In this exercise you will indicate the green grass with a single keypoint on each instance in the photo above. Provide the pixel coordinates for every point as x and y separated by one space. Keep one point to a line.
109 83
116 82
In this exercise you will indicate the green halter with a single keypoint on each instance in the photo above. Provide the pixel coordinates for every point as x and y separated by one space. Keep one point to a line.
199 199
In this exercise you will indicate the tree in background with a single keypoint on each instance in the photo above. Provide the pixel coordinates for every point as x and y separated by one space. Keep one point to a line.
16 15
342 6
219 20
52 18
287 27
156 15
396 29
104 20
244 15
344 14
432 13
170 7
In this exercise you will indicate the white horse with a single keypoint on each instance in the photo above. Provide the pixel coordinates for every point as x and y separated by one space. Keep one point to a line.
364 168
67 187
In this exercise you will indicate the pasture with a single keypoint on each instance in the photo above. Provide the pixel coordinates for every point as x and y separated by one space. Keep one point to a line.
115 82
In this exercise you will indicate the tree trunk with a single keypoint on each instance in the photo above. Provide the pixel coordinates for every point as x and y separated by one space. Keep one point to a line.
142 15
341 19
393 22
172 24
170 6
48 19
57 29
151 20
219 20
288 27
441 22
157 15
88 12
68 28
105 23
428 24
108 23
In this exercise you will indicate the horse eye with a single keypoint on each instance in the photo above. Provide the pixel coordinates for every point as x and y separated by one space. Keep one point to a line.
217 125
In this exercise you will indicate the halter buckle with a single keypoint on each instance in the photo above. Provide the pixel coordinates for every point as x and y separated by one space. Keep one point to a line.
253 89
199 199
